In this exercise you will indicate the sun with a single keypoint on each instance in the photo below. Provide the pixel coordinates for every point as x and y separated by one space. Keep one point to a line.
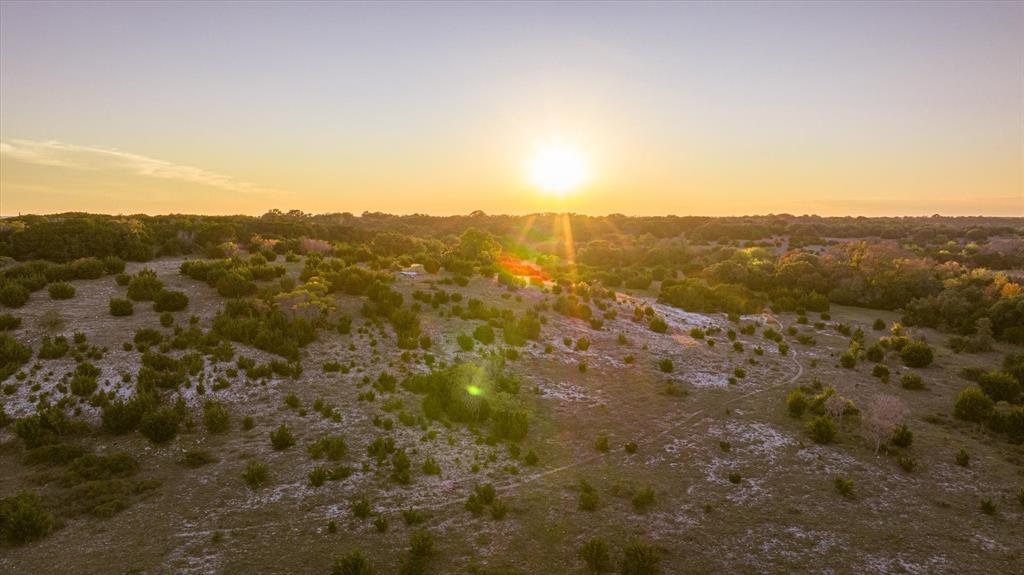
558 169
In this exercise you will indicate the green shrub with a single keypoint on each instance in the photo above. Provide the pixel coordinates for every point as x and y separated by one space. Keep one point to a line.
658 325
911 381
13 294
120 307
160 426
499 509
902 436
639 558
484 334
596 555
822 429
352 563
421 543
601 443
197 458
413 516
973 405
589 499
282 438
963 459
988 507
531 458
643 499
318 476
83 385
361 508
874 353
9 322
144 286
54 454
146 337
23 519
43 428
907 463
53 348
13 355
916 354
400 468
216 417
125 416
844 486
170 300
61 290
431 467
665 365
256 474
465 342
332 447
999 385
797 403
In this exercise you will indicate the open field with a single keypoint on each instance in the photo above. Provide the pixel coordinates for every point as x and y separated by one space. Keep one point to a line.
738 485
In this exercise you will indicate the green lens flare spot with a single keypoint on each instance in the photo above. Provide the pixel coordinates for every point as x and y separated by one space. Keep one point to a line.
474 390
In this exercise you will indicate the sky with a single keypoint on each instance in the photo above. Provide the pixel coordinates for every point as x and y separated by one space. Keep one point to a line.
676 108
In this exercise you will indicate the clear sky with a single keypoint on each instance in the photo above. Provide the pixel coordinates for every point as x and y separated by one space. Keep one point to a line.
717 109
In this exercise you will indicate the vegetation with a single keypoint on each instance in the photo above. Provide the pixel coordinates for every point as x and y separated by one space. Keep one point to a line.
467 372
23 519
256 474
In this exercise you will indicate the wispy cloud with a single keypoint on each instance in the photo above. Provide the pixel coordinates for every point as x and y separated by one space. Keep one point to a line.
64 155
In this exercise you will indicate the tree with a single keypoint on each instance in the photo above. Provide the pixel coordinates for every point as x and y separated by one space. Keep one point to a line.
478 246
883 415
